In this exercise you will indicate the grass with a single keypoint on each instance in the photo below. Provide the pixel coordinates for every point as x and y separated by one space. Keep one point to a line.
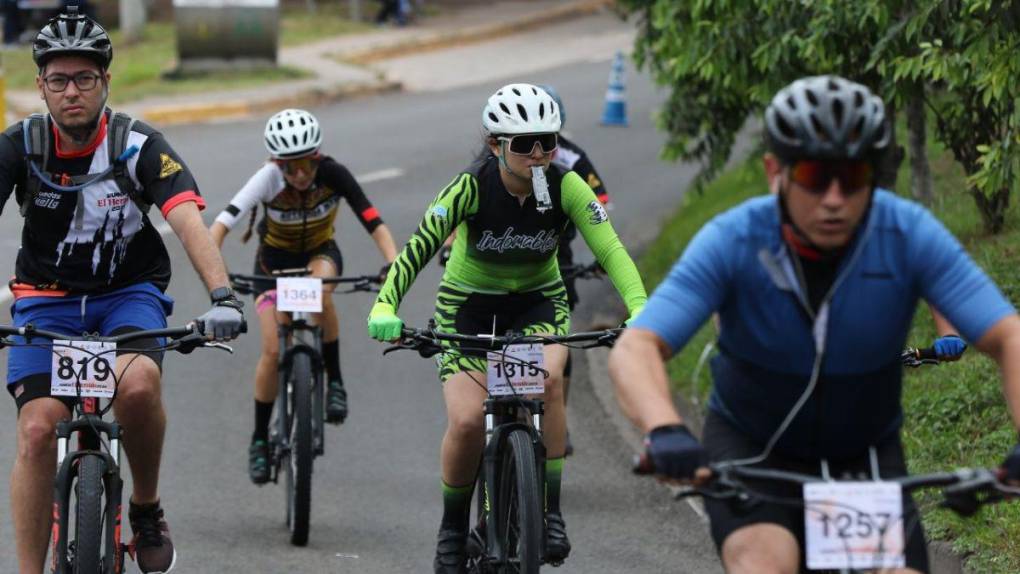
955 413
138 69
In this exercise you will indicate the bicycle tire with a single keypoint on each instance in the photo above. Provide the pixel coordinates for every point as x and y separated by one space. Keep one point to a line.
519 517
299 463
88 509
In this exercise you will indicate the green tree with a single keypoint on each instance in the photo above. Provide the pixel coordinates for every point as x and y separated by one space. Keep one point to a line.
724 59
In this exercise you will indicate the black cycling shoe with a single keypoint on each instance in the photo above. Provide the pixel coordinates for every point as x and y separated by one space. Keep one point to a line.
476 540
557 546
258 461
450 555
336 402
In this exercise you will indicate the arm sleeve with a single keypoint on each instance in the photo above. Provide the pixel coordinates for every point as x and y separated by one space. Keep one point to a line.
950 280
694 288
164 178
258 188
367 214
586 170
590 217
12 163
453 205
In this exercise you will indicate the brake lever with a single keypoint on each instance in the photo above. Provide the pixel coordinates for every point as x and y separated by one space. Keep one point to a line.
220 346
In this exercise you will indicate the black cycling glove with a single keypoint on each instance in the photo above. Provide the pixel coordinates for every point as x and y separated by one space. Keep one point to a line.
1012 464
675 452
384 272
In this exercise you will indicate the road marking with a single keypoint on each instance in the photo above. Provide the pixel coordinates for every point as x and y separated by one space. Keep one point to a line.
164 228
382 174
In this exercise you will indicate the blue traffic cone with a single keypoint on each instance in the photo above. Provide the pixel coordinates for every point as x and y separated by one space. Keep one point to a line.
615 112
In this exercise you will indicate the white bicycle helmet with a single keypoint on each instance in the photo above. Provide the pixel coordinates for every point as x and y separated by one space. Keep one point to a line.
521 109
292 133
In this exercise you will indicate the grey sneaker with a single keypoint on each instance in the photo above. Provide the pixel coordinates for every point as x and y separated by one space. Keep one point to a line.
151 546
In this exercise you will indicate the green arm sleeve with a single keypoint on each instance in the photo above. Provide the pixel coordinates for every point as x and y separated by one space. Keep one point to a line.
590 217
454 204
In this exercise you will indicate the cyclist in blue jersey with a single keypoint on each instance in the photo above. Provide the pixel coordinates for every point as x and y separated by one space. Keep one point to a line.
816 288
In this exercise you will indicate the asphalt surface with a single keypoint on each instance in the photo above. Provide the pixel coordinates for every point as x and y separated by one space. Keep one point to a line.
376 491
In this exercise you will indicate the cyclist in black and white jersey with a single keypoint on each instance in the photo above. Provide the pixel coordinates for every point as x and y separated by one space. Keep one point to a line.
92 261
300 190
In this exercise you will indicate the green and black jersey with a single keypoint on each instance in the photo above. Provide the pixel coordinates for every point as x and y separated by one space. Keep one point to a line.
504 246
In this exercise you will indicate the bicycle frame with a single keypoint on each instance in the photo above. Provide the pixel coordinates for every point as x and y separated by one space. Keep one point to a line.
300 335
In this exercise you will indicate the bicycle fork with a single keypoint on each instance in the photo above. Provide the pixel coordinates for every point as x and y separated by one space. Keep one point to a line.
89 428
502 417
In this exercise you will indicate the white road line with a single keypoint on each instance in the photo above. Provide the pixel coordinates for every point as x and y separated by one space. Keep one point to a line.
164 228
373 176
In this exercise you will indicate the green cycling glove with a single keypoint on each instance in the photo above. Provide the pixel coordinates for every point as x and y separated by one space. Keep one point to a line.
383 323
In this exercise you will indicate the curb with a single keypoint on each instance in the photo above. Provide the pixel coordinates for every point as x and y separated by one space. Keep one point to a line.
441 40
171 114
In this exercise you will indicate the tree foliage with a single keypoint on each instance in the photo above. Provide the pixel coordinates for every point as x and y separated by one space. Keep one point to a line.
725 59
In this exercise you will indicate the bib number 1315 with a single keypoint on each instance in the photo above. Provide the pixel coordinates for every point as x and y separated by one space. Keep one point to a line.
516 370
85 365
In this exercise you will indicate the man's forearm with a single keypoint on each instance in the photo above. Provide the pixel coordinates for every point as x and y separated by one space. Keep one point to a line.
205 257
1002 343
642 386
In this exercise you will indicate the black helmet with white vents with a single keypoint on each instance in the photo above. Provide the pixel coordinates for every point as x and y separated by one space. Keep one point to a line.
292 133
72 34
521 109
826 117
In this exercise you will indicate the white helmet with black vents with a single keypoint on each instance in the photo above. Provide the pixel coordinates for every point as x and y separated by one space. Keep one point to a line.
292 133
521 109
826 117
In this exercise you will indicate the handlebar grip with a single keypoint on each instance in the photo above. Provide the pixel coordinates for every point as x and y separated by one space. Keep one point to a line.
643 465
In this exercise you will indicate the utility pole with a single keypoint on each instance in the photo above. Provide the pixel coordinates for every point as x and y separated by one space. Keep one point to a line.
355 10
132 19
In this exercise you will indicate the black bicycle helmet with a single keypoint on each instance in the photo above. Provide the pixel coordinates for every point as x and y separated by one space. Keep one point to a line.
75 34
826 117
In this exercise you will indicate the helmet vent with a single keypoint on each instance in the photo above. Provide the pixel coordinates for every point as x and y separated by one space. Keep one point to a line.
515 91
811 97
505 109
522 111
493 117
837 111
541 110
785 128
817 127
858 99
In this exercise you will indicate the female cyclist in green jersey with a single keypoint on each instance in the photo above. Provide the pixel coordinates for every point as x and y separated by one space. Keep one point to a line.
508 209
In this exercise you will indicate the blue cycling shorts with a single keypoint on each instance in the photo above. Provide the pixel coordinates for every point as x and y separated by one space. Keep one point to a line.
138 307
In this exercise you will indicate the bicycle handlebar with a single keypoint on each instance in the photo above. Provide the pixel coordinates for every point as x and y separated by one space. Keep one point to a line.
914 358
245 284
964 490
428 341
590 271
183 339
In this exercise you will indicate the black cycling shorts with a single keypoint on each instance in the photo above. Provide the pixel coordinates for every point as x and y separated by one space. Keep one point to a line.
269 259
724 442
37 386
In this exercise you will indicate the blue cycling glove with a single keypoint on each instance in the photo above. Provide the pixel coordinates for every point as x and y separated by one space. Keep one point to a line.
949 347
675 452
1012 464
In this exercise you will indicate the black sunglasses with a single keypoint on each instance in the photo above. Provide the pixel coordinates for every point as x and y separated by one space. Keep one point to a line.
523 144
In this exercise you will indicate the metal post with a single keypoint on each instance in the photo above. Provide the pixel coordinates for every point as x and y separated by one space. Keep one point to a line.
355 10
132 19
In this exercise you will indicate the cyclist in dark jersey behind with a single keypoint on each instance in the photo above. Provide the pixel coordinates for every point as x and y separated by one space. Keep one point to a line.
300 191
816 289
91 260
509 209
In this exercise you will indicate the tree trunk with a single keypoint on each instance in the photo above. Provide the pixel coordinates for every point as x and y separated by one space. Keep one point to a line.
889 163
993 208
917 135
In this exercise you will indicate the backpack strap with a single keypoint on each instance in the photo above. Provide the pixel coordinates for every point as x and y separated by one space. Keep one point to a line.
37 149
118 131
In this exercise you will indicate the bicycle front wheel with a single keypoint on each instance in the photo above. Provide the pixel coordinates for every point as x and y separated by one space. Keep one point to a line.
87 541
519 506
299 463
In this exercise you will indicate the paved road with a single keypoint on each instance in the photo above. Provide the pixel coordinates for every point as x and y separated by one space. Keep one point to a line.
376 495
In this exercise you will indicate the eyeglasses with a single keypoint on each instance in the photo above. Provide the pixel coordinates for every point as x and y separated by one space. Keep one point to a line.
307 164
817 175
84 81
524 144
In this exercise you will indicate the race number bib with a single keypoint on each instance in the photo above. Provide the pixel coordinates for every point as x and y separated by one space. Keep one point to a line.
517 370
853 525
78 366
299 294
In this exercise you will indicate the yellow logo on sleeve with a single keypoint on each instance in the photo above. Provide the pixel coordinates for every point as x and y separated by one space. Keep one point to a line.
168 166
594 182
